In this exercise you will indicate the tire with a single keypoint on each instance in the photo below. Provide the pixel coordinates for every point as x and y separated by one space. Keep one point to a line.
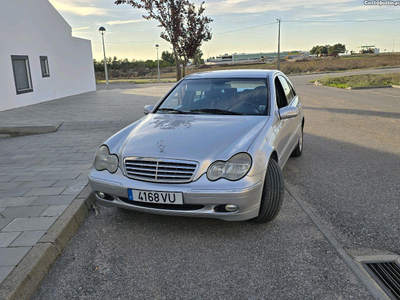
272 195
299 148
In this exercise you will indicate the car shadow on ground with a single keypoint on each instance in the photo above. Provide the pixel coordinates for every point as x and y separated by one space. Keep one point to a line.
352 189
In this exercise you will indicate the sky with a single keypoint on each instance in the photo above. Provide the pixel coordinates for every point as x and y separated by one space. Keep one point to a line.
305 23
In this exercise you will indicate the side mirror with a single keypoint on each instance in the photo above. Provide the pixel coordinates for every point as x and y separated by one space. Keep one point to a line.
288 112
147 109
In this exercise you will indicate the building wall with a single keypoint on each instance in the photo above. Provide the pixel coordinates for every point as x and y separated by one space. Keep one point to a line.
35 28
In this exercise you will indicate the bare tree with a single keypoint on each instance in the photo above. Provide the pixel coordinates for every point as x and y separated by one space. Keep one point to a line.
194 31
173 17
169 14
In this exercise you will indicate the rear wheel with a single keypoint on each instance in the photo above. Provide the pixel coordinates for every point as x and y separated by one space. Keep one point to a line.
299 148
272 196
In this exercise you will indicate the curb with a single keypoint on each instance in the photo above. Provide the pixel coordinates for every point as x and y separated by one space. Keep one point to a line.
369 87
361 87
23 281
20 130
363 277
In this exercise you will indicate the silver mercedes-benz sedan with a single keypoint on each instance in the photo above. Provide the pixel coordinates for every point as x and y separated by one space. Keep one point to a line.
213 147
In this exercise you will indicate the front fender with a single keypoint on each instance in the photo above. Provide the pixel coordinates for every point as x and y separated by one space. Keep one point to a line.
262 148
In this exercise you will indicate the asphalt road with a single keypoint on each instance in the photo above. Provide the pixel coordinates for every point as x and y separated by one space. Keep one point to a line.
348 176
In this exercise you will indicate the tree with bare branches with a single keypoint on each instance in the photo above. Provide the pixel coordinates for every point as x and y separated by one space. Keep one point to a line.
176 17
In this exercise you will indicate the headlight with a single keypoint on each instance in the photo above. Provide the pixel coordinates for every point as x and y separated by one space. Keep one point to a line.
105 161
233 169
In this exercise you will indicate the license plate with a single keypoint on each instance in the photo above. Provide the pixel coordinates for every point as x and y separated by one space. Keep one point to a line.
155 197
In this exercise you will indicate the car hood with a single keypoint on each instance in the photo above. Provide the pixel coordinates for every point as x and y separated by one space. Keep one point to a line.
192 137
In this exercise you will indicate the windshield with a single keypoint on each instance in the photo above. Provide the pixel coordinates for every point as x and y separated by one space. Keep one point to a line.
218 96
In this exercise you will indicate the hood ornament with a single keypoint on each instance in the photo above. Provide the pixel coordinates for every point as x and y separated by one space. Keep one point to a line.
161 145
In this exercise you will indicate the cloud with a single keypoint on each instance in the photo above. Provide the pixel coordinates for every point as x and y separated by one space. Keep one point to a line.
80 28
259 6
345 9
117 22
322 16
78 7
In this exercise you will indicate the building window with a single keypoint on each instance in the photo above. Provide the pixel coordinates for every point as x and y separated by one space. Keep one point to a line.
44 65
22 74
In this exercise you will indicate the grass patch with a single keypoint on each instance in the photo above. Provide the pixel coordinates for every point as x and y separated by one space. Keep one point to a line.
137 81
338 64
361 80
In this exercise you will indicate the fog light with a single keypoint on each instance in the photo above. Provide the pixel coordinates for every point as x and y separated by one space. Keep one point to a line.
101 195
231 207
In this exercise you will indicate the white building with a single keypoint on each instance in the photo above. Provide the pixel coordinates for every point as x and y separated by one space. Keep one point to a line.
39 58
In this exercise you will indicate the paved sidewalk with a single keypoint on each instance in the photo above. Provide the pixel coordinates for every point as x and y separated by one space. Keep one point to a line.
40 175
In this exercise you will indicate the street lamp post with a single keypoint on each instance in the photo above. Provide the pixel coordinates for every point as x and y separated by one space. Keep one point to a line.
158 64
102 30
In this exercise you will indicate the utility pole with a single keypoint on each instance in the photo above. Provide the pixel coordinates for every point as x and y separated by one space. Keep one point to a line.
393 46
279 42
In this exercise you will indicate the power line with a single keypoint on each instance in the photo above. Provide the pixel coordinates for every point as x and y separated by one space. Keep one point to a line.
241 29
342 21
309 21
247 28
138 42
269 24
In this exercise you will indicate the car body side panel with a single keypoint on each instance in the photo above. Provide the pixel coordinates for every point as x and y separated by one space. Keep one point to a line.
288 133
294 129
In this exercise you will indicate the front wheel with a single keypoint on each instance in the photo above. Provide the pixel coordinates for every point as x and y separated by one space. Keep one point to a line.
272 195
299 148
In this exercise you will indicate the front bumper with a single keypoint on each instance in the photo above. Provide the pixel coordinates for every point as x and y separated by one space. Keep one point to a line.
245 193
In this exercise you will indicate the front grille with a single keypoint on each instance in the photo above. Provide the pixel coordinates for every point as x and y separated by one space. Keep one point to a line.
160 170
387 274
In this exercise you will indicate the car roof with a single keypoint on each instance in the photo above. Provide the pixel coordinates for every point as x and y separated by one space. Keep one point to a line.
232 74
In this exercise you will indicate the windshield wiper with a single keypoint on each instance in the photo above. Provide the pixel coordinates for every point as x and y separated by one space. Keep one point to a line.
173 110
215 111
